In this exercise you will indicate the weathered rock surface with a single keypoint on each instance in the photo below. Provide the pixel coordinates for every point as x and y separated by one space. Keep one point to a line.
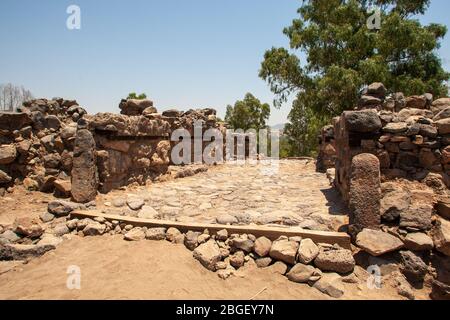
284 250
340 261
155 234
136 234
377 242
301 273
365 191
418 242
23 252
362 121
441 236
262 246
413 266
417 216
330 284
84 171
307 251
208 254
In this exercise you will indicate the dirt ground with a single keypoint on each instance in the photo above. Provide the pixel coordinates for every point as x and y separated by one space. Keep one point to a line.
115 269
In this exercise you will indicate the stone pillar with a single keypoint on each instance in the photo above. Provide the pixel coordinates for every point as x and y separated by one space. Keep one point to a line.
84 171
365 192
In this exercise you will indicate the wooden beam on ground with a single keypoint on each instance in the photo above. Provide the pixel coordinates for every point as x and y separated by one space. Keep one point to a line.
273 233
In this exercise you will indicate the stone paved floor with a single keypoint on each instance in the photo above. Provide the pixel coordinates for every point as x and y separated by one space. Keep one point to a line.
296 195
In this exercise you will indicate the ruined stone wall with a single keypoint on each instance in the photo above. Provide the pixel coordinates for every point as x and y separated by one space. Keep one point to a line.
37 145
410 137
327 149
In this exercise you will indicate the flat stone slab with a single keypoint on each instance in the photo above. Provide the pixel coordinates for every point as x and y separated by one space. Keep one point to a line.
377 243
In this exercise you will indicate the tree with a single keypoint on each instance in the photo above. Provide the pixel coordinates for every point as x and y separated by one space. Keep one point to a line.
249 113
344 55
12 96
134 96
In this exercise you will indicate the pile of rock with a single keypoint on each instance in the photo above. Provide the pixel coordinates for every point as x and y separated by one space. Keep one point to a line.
36 145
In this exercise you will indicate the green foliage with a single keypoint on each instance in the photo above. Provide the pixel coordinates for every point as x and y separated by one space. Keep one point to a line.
249 113
344 56
133 95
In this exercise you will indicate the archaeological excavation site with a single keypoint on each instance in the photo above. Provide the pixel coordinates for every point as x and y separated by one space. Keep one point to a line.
369 218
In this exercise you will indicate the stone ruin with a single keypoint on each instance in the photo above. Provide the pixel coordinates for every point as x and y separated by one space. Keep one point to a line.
55 146
390 159
391 162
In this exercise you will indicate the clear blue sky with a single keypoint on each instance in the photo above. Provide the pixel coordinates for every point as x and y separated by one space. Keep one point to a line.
182 53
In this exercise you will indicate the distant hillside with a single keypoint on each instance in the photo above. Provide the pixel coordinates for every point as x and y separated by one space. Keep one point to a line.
279 126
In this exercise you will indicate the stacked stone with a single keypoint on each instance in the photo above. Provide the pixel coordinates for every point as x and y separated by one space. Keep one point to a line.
132 147
396 221
327 152
413 142
37 145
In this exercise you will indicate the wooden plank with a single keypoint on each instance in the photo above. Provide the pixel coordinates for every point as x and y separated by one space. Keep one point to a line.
272 233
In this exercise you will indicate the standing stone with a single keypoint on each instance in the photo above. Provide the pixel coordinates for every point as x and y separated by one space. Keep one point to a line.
365 192
84 171
377 243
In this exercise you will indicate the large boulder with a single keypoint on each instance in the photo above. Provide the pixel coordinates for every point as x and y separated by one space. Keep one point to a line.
441 236
262 246
135 234
301 273
377 243
393 203
418 242
208 254
330 284
84 171
94 229
62 208
362 121
134 107
23 252
407 113
14 121
416 102
28 227
444 114
440 104
4 177
284 250
377 89
413 266
340 261
443 126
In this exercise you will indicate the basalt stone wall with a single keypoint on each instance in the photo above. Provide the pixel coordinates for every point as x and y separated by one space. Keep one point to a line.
410 136
327 149
37 145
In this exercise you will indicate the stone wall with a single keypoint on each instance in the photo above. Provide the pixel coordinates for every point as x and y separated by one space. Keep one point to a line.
327 149
37 145
412 143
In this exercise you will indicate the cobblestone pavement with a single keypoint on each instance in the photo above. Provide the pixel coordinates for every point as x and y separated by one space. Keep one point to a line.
296 195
